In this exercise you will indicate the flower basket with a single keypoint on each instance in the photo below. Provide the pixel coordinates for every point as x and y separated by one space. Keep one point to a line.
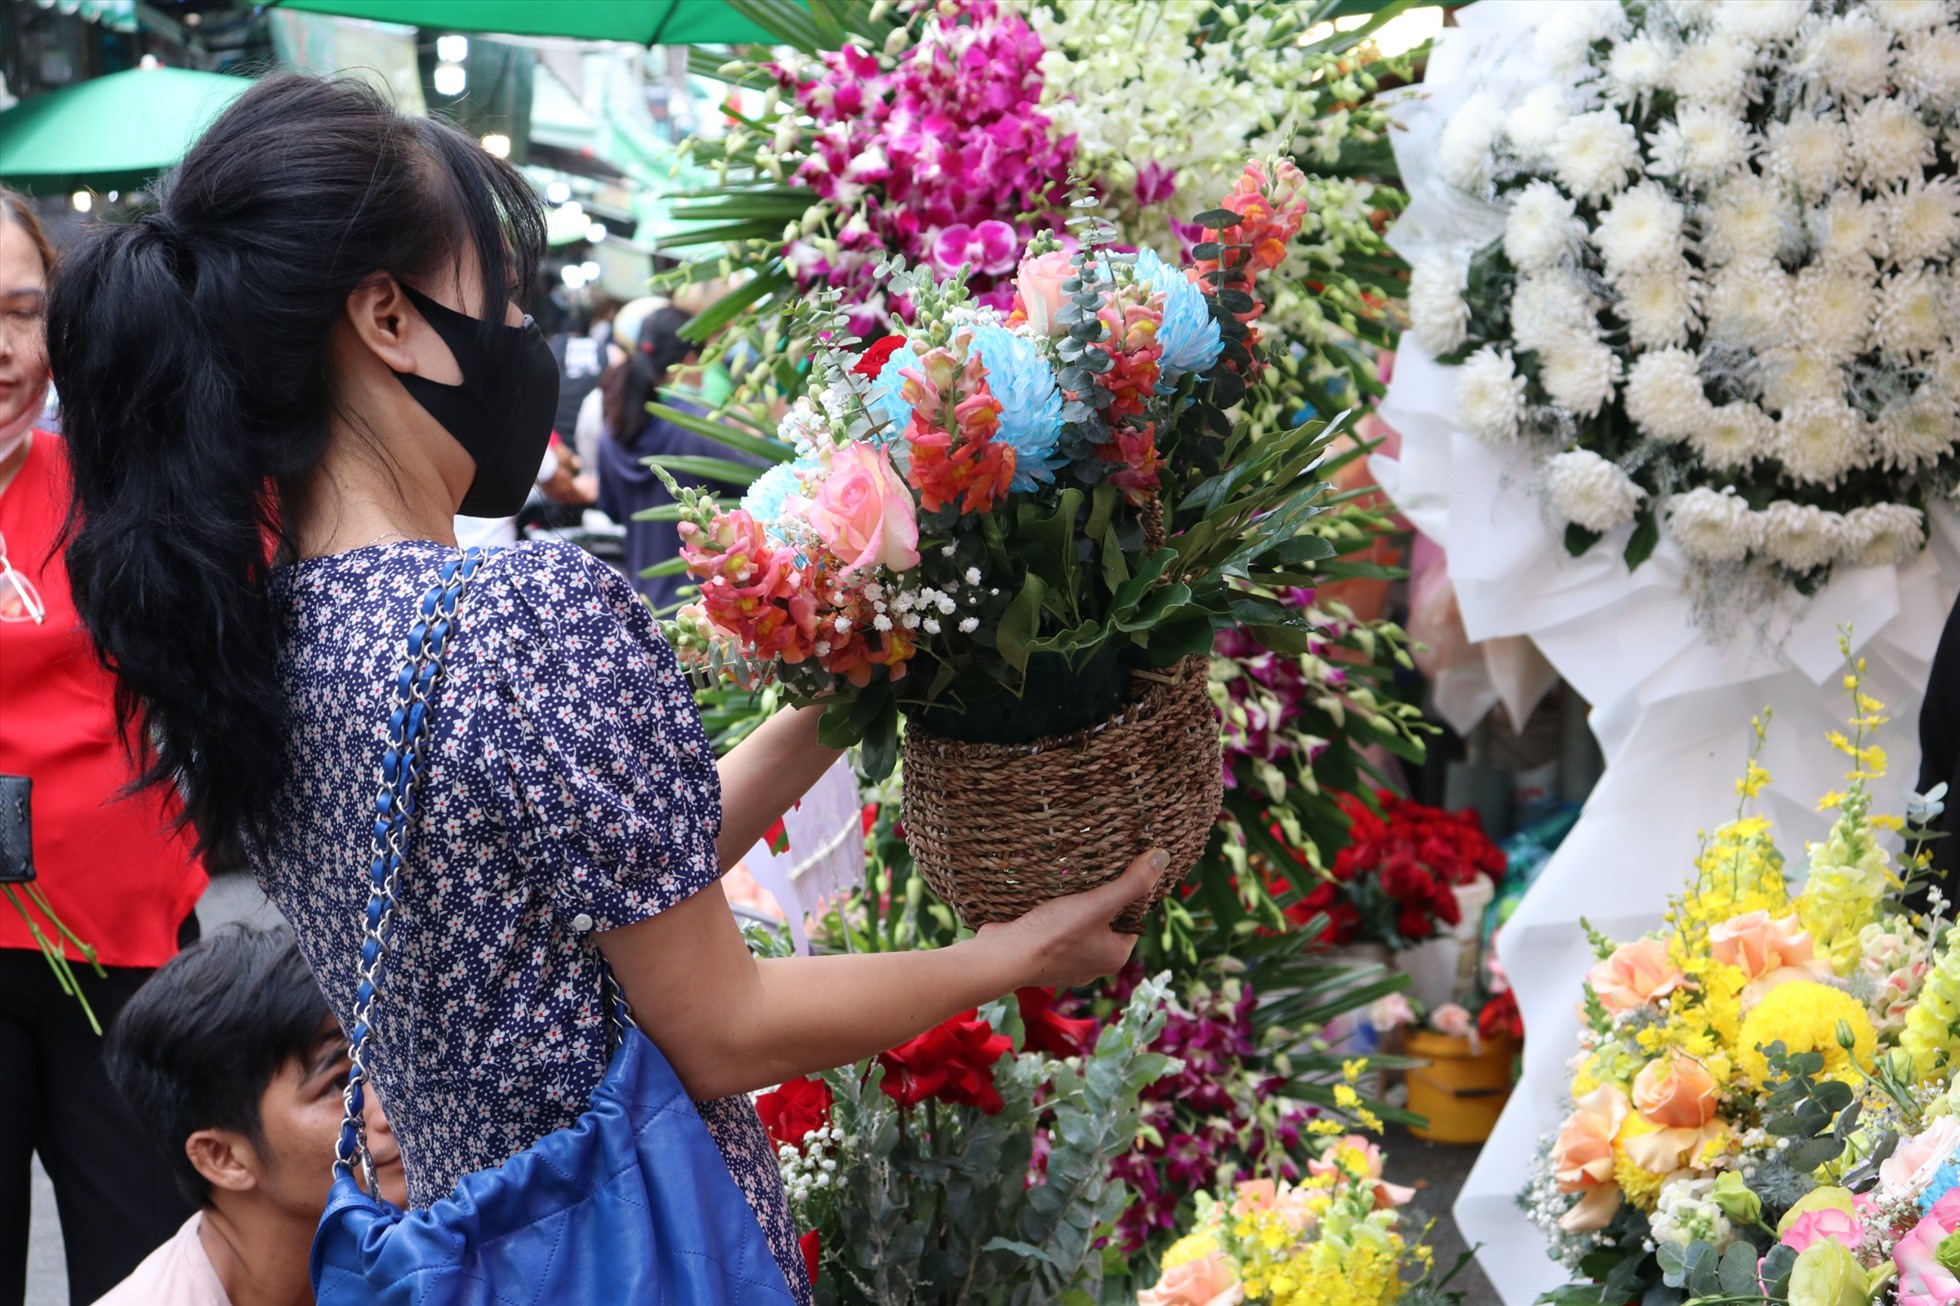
999 828
1462 1089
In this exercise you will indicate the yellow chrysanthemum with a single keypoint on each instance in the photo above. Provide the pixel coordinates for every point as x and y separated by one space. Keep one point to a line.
1804 1017
1638 1185
1191 1247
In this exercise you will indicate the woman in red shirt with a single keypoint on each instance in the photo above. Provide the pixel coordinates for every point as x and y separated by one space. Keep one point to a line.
116 869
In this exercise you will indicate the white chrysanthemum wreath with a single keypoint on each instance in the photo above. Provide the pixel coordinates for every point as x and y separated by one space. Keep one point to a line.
1724 301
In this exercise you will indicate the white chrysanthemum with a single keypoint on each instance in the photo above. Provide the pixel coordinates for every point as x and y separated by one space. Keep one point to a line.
1490 395
1883 534
1591 492
1664 397
1943 373
1563 41
1812 153
1761 21
1542 230
1922 220
1552 309
1463 151
1803 537
1912 312
1714 526
1819 440
1917 432
1911 17
1929 68
1534 124
1595 154
1437 313
1579 375
1833 312
1659 306
1733 436
1793 376
1717 72
1693 15
1640 230
1848 232
1850 54
1746 217
1700 144
1749 303
1637 66
1889 142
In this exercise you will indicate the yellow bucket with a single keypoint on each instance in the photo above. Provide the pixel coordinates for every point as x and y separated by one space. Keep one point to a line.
1461 1091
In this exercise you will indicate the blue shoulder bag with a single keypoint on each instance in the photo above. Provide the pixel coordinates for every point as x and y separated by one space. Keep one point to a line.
633 1202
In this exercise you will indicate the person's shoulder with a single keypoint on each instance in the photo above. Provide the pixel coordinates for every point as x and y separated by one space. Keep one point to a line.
179 1273
552 583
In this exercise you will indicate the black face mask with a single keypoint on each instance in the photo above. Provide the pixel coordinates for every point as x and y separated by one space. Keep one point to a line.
502 412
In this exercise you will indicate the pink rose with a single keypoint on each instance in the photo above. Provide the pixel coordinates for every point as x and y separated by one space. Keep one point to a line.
1915 1160
1038 290
1634 975
1452 1020
864 512
1391 1012
1841 1227
1209 1280
1923 1281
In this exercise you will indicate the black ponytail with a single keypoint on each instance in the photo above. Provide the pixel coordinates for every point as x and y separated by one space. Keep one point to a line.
192 353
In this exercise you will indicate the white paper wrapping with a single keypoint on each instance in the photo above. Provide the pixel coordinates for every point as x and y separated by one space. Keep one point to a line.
826 850
1672 697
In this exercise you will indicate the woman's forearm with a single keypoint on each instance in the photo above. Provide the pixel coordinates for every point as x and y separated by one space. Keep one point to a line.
764 775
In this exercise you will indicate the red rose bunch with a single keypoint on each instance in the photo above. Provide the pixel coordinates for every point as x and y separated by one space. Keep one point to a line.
1501 1019
950 1063
1394 881
795 1110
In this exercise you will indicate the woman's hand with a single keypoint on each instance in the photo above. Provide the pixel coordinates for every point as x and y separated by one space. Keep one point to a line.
1068 941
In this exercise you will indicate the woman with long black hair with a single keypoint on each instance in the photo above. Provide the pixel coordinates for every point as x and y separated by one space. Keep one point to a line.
280 389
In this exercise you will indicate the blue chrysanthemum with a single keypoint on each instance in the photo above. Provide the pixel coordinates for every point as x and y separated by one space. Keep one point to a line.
884 398
1030 402
1944 1181
1189 336
764 499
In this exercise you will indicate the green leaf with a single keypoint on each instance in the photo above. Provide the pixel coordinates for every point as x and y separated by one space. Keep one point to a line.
1578 539
1646 534
1293 641
1738 1270
1216 219
707 469
1777 1264
834 728
770 451
769 281
1019 622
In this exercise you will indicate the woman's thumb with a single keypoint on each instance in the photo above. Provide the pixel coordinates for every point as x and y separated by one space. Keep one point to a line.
1143 875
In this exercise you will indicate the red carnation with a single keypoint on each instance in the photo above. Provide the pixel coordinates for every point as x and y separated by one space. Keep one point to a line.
811 1245
1501 1018
795 1110
952 1063
873 360
1058 1036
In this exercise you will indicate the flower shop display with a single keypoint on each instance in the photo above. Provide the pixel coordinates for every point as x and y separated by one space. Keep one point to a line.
1718 305
1763 1094
944 133
1334 1235
1022 530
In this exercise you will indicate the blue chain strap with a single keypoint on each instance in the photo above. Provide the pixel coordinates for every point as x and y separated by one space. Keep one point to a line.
394 808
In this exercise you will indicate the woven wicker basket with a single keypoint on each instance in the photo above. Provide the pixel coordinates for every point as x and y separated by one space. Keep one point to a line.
997 828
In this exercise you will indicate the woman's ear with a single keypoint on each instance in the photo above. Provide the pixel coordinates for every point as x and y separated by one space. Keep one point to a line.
388 326
225 1158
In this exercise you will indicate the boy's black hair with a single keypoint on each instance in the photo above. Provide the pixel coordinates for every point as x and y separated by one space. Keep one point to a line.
197 1045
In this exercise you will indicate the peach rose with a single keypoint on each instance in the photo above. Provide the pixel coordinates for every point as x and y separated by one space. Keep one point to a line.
1634 975
1676 1092
1452 1020
1582 1157
1038 290
1209 1280
1767 950
864 512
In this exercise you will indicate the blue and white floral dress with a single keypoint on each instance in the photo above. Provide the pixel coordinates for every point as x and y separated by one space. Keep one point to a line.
570 789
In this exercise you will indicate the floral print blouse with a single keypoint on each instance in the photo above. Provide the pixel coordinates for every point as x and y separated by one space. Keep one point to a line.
569 789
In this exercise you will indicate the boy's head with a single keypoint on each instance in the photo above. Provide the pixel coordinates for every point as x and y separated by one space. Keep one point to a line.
231 1058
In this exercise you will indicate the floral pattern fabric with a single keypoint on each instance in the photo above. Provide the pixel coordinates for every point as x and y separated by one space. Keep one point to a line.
569 789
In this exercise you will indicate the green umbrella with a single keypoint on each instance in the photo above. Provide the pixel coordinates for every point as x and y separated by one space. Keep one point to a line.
110 133
642 22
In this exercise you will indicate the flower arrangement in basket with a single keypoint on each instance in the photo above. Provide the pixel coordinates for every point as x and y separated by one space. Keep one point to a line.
1021 531
1764 1104
1720 303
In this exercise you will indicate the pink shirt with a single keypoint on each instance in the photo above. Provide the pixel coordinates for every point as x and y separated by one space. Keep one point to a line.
179 1273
